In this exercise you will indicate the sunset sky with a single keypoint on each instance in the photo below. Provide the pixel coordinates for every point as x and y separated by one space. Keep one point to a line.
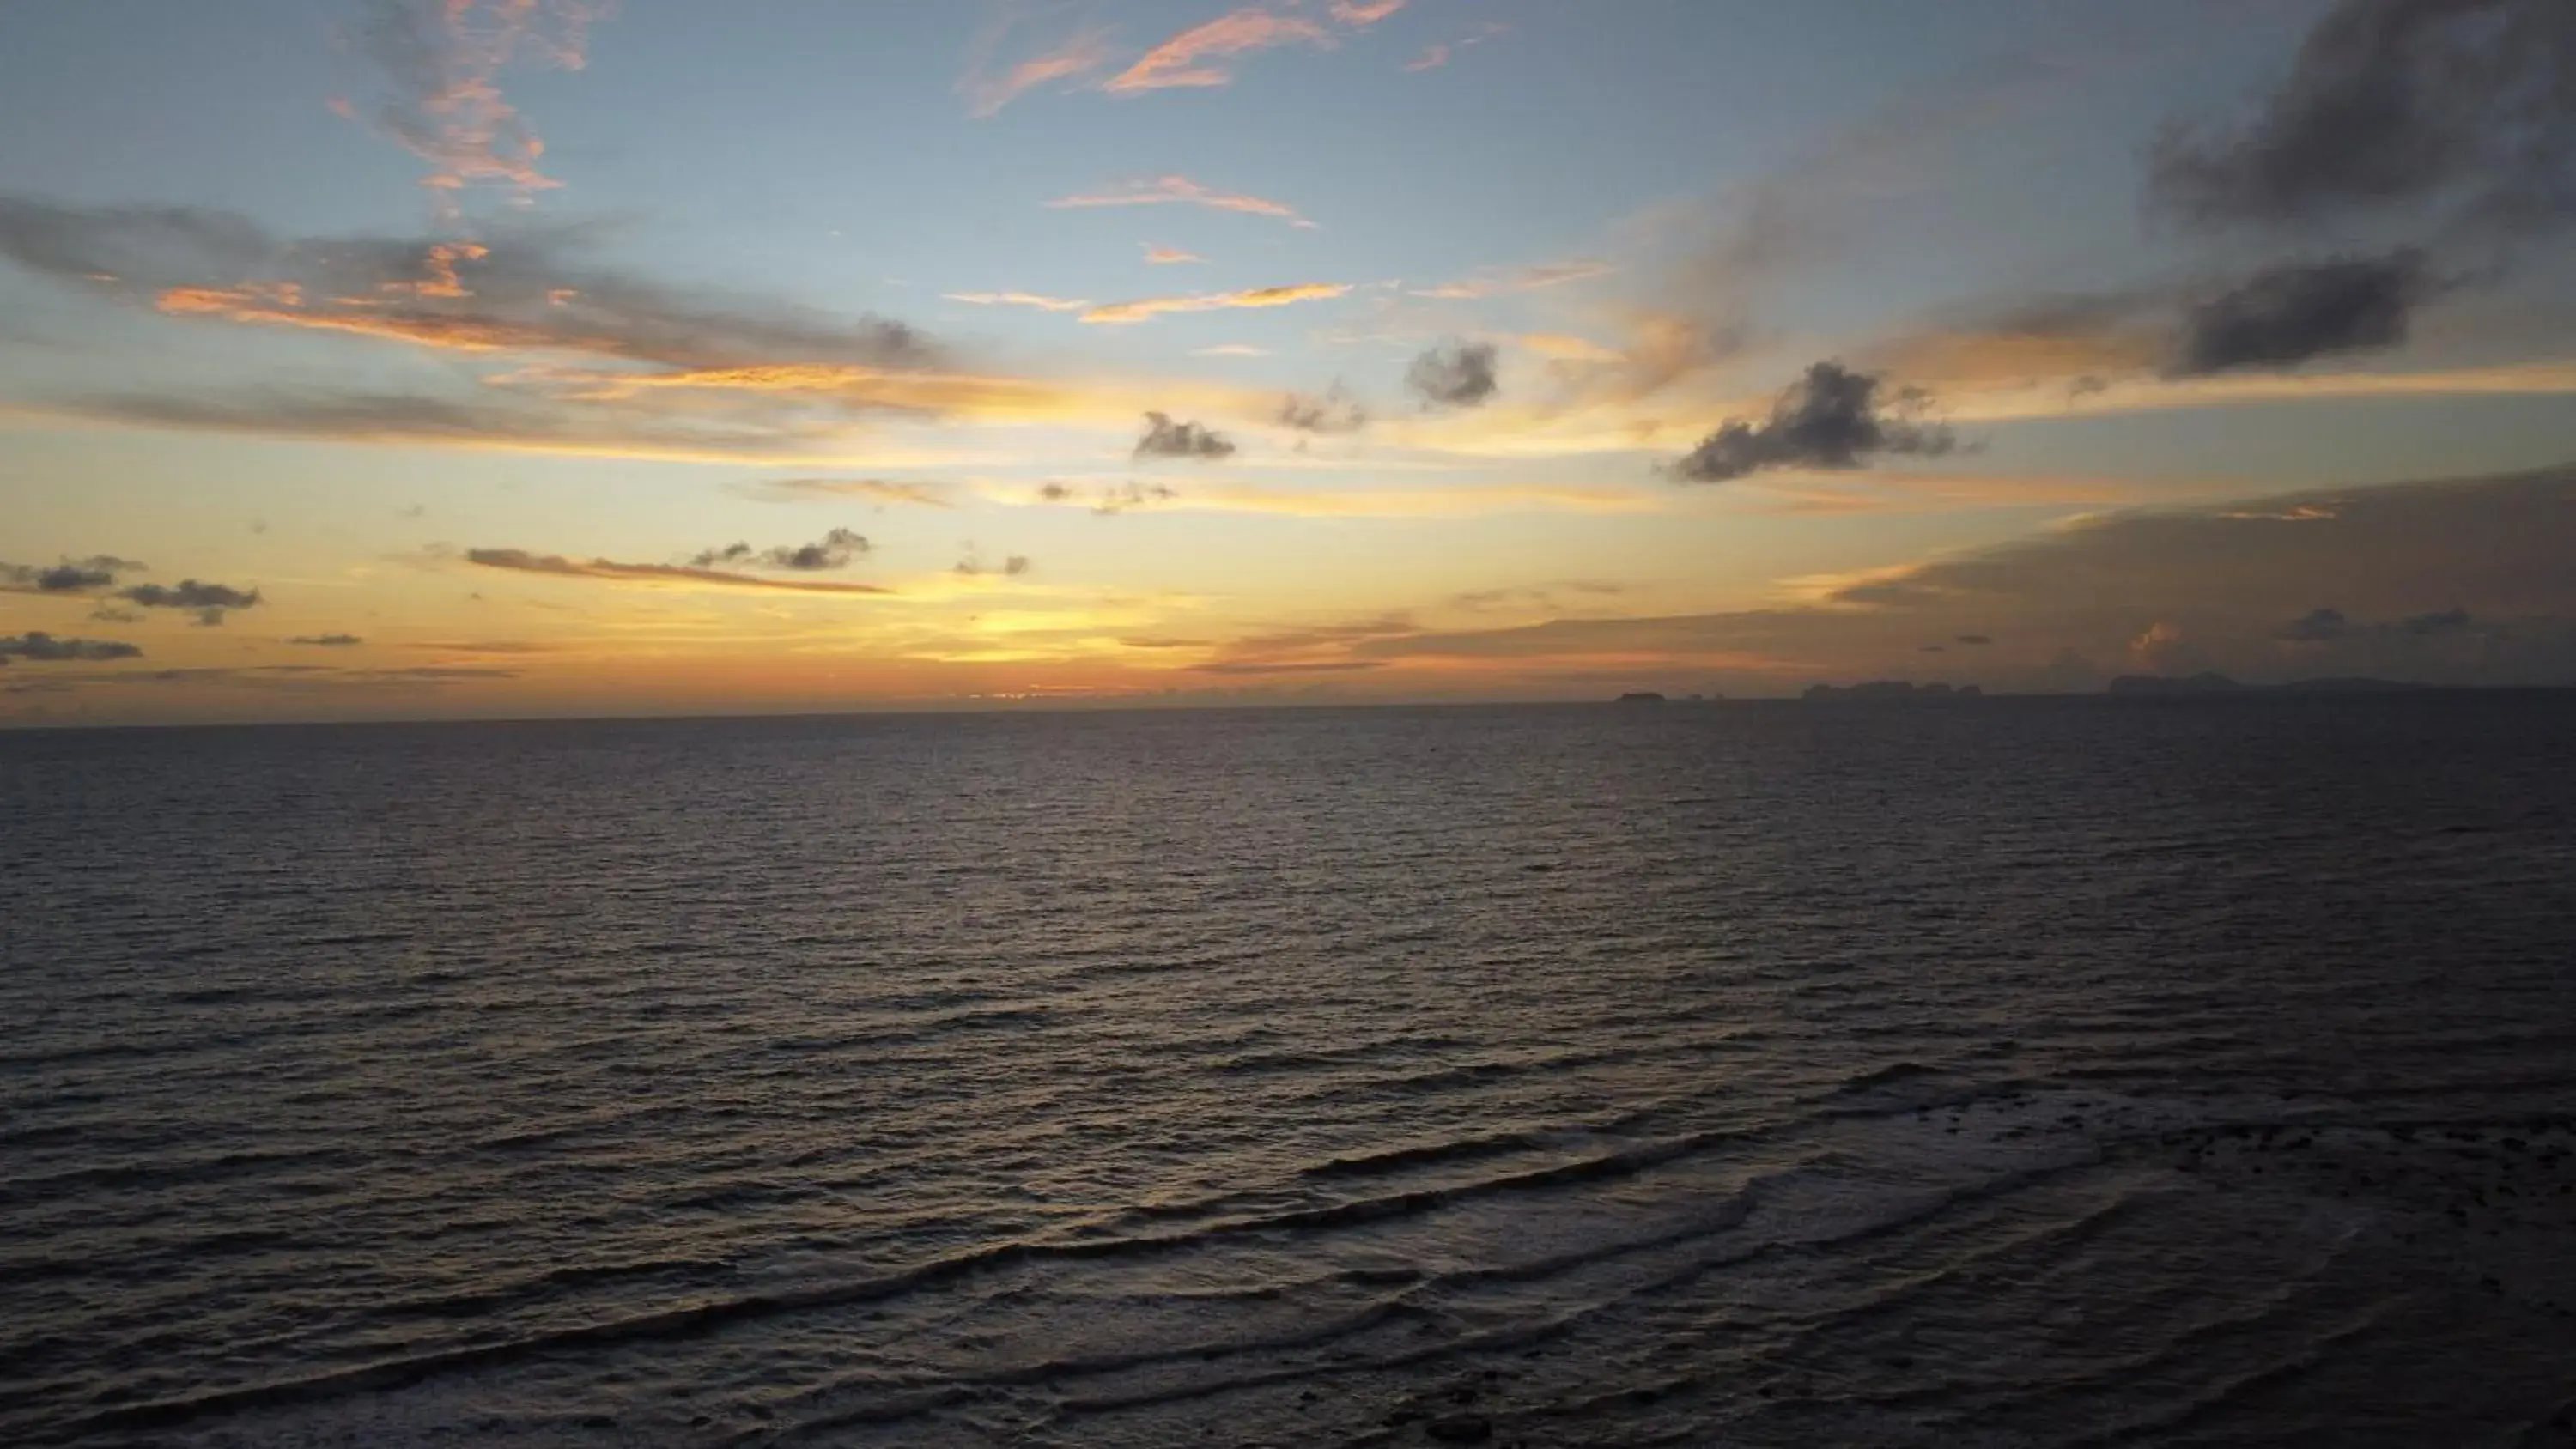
386 358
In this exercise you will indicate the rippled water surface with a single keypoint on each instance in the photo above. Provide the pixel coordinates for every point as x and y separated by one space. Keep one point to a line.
2026 1073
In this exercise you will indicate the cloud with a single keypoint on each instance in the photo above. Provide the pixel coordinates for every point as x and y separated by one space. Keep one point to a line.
480 422
1119 314
1525 279
2332 626
556 565
209 602
2285 315
972 566
1247 666
1456 502
1109 500
1831 418
1169 256
1182 191
1453 375
1365 12
1432 58
328 641
834 550
2471 575
1978 640
879 490
40 647
526 290
1018 299
1231 349
71 576
1165 438
1334 412
485 646
440 64
1182 60
988 91
2465 104
1309 649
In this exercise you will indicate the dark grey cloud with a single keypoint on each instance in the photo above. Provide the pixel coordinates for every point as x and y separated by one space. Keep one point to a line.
2317 626
209 602
328 641
1121 498
71 576
1334 412
1976 639
2465 106
973 566
833 550
520 560
1831 418
1454 375
2333 626
41 647
1165 438
527 286
2472 578
2288 314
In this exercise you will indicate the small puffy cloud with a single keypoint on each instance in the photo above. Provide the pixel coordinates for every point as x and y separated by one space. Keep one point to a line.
2285 315
1334 412
1831 418
39 647
209 602
1454 375
833 550
1165 438
973 566
328 641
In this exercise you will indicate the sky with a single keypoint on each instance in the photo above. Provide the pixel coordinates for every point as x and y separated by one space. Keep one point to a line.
472 358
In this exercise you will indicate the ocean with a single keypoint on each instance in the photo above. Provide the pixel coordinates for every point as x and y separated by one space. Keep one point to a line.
2013 1073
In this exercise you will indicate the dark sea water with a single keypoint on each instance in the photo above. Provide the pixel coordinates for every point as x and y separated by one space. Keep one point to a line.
2028 1073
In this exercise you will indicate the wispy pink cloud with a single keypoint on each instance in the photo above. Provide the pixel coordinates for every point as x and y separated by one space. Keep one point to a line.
441 63
1365 12
1181 60
987 92
1168 190
1018 299
1169 256
1436 56
1526 279
1119 314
